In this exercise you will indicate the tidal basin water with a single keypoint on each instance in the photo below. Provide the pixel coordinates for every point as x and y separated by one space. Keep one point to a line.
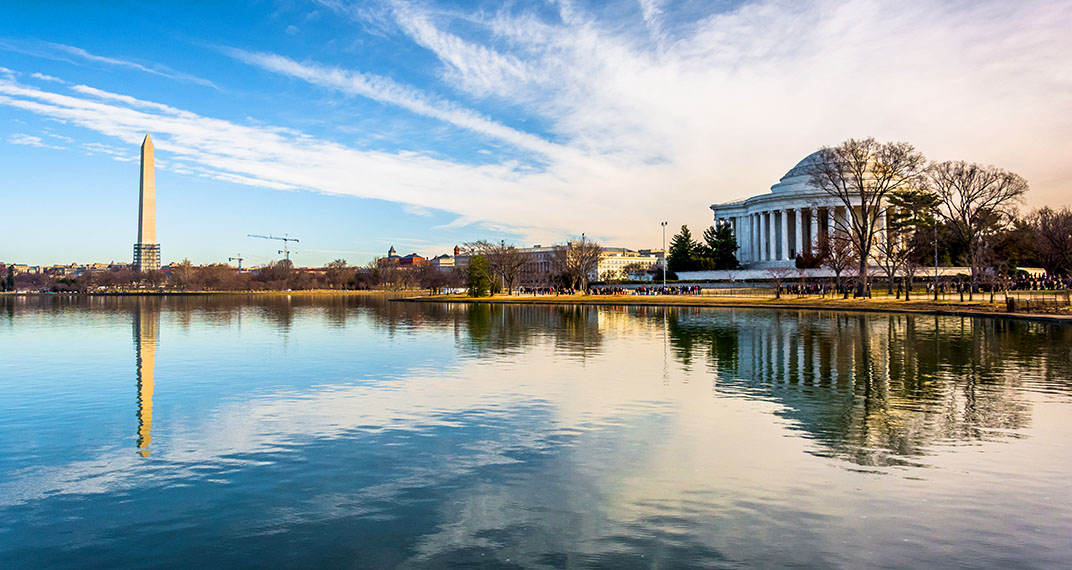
356 432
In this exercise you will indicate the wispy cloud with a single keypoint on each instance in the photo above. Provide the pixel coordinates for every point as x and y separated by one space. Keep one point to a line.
63 52
30 140
631 134
44 77
386 90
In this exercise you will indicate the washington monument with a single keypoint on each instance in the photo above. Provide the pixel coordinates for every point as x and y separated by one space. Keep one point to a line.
146 250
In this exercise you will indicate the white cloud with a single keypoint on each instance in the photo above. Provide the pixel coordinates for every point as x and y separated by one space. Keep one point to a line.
630 134
736 99
386 90
30 140
415 210
44 77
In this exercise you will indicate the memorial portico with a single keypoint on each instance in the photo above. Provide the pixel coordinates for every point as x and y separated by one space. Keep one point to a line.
795 217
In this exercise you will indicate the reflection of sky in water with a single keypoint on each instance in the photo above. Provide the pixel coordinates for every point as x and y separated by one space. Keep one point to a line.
371 434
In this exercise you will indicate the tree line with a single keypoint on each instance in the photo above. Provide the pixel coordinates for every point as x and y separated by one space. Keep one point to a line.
276 276
494 268
718 250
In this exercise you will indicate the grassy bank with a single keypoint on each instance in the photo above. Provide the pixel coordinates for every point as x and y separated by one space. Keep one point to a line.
882 304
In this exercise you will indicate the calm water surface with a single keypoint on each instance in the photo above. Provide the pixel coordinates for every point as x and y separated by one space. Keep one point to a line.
354 432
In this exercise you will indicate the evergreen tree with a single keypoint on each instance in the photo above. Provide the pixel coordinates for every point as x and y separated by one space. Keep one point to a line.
683 251
720 247
479 277
9 282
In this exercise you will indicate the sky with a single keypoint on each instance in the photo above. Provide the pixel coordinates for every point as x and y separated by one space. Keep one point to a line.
357 126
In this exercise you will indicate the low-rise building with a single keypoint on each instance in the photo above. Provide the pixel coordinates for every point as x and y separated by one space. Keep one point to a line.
540 260
617 262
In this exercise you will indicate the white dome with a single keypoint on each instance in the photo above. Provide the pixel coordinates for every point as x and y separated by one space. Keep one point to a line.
801 168
797 180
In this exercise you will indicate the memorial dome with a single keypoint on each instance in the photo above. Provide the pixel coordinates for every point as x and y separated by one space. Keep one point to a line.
797 180
801 168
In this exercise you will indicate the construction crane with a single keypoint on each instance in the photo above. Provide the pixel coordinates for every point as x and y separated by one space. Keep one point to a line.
286 239
239 258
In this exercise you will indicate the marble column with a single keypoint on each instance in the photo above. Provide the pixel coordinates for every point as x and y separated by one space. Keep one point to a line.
742 223
767 235
755 237
799 234
785 235
751 237
762 236
772 235
813 229
830 220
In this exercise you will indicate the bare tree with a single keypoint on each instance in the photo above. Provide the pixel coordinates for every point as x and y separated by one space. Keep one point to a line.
185 276
576 260
1053 239
338 273
860 174
634 268
838 254
778 275
505 262
977 202
387 273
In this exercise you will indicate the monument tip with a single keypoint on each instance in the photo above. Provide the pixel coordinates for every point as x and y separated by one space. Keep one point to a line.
147 141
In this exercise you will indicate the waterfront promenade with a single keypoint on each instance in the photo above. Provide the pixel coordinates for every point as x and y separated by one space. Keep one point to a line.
951 306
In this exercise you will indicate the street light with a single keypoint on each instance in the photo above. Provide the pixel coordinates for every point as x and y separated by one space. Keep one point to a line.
935 258
664 254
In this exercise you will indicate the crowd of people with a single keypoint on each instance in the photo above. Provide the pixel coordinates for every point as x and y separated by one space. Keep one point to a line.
1040 282
645 290
1026 282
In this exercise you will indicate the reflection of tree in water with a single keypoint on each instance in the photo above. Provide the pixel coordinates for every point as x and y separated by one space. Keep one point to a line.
507 328
879 390
691 336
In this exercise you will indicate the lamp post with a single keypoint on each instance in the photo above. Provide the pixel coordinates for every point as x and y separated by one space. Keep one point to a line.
936 258
583 259
664 254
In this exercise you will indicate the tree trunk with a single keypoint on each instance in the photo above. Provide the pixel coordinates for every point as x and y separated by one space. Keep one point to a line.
861 287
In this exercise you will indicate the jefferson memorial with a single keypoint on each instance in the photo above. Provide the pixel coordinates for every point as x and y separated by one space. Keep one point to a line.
772 229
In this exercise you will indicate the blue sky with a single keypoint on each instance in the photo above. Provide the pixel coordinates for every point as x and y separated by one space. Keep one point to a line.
357 126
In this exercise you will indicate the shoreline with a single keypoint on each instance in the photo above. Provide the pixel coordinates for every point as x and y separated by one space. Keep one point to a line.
309 292
921 307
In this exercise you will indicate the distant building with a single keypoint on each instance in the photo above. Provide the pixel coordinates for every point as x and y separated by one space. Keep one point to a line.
411 260
443 262
613 262
540 263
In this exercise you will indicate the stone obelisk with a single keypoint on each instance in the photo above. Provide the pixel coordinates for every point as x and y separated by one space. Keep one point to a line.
146 250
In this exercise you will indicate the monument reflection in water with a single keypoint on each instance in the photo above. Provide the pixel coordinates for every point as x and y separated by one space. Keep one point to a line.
355 431
146 335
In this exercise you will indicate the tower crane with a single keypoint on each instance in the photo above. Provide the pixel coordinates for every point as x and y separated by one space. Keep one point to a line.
286 239
239 258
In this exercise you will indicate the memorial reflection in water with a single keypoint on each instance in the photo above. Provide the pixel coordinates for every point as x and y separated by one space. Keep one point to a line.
872 389
880 389
319 431
146 334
